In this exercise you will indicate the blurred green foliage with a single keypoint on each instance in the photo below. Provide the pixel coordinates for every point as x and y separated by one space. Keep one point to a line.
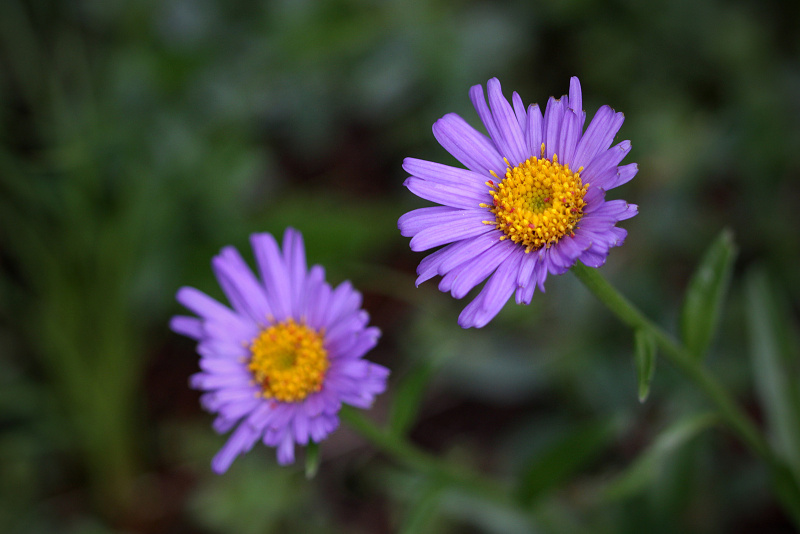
139 137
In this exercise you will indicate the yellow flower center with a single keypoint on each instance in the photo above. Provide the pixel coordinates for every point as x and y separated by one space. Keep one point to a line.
288 361
538 202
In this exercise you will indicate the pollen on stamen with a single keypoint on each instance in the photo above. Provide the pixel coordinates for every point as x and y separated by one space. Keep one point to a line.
523 203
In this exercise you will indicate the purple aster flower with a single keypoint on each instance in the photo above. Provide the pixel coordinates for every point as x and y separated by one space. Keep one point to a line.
278 365
531 201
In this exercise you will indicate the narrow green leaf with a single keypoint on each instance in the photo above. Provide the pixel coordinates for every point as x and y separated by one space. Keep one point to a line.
647 466
312 459
563 459
705 294
408 396
419 517
775 383
645 358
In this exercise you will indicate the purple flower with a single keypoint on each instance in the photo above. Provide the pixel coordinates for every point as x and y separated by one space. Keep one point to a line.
531 203
278 365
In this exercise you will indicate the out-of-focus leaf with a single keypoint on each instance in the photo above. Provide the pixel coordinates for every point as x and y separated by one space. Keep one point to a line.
645 357
422 512
312 459
775 383
563 459
408 396
647 466
706 292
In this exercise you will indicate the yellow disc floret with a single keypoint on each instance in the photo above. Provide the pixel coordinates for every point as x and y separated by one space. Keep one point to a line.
288 361
538 202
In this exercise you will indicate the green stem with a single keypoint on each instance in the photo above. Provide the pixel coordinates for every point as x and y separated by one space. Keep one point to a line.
731 413
435 468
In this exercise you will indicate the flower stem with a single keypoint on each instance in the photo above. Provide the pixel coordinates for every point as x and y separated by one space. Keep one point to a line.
786 486
437 469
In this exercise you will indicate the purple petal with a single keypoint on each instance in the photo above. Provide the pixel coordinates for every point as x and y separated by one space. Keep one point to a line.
240 441
448 195
511 140
187 326
273 273
598 136
454 227
494 294
467 145
240 285
445 174
463 278
553 119
533 132
294 256
605 163
417 220
519 111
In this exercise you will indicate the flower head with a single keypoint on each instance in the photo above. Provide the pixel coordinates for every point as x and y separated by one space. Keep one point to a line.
531 201
278 365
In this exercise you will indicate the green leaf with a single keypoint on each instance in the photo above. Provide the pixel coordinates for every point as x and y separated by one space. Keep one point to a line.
312 459
644 469
419 517
563 459
770 350
705 294
408 396
645 357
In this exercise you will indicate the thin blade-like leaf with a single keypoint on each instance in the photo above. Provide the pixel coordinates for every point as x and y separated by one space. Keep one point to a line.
775 385
646 467
408 397
705 294
312 459
645 358
563 459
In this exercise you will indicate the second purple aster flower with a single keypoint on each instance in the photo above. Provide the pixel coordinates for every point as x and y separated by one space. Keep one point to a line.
531 201
279 364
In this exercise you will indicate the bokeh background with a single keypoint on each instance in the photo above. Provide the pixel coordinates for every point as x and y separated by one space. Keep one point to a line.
139 137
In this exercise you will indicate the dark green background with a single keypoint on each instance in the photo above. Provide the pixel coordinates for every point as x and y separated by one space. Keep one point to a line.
138 138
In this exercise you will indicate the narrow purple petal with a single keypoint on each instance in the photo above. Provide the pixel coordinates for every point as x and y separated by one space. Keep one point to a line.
455 227
494 294
273 273
598 136
240 285
463 278
415 221
445 174
187 326
448 195
511 139
519 111
568 138
286 450
612 179
294 256
240 441
533 132
467 145
605 162
553 119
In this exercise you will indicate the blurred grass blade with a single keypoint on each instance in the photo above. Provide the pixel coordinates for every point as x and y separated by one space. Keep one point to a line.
312 459
563 459
705 294
646 467
419 518
408 397
645 357
775 381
